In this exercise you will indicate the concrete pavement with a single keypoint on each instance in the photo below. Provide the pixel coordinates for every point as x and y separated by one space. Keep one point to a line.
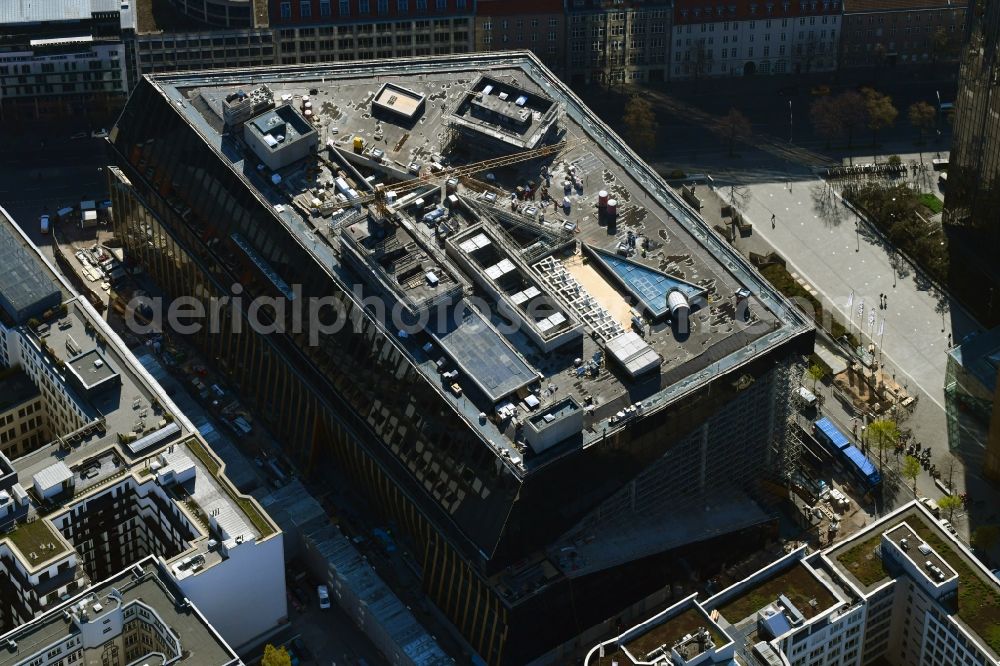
819 238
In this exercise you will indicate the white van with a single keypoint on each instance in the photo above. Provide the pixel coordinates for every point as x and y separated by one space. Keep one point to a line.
804 397
43 223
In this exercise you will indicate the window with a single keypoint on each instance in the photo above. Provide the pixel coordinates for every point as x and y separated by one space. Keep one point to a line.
305 8
364 6
421 5
345 8
324 7
286 10
442 5
383 7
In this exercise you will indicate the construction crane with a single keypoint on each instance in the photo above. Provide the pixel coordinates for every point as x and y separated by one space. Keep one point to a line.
459 172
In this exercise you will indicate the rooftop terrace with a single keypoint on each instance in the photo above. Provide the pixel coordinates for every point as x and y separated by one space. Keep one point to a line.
673 239
977 603
673 630
797 583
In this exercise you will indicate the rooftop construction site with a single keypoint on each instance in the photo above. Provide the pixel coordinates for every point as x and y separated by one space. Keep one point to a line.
552 286
529 338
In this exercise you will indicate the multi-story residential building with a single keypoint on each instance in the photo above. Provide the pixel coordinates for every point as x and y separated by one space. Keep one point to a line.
754 37
137 616
610 42
23 425
973 192
522 468
890 32
902 591
309 31
124 475
60 57
538 25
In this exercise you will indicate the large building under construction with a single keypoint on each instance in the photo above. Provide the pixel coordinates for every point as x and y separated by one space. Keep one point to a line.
552 374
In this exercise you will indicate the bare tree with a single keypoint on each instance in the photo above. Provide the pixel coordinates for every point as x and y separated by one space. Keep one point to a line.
739 195
881 112
826 119
880 52
943 45
853 113
922 116
697 60
734 125
640 123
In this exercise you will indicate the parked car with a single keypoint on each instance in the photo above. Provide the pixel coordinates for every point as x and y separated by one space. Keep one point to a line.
948 526
323 592
99 133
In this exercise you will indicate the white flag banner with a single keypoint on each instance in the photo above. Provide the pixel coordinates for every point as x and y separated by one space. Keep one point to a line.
861 308
871 318
850 301
881 328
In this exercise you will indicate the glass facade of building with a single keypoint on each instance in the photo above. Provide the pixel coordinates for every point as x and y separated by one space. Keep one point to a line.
358 398
972 198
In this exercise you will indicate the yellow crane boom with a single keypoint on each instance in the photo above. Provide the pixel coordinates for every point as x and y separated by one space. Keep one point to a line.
463 171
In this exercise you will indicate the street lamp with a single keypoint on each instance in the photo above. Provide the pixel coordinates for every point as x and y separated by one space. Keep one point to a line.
857 234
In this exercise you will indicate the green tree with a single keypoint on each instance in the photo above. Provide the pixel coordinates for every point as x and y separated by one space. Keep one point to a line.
922 117
734 125
911 470
880 110
816 372
640 123
949 503
275 656
883 433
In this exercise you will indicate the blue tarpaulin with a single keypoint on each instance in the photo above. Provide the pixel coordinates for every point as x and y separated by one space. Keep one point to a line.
831 434
863 466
